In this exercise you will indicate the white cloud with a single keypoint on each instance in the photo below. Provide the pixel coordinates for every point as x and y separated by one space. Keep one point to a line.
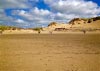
40 12
12 3
34 14
20 21
50 1
60 11
1 13
61 16
80 8
10 21
16 3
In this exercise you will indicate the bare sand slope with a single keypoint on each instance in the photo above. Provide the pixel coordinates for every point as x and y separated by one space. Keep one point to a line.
93 25
77 25
59 52
19 31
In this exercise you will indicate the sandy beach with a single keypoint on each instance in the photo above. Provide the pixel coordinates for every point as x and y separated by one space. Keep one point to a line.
49 35
45 52
47 32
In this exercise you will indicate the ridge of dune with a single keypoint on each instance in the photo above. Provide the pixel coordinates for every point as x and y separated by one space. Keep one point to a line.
76 23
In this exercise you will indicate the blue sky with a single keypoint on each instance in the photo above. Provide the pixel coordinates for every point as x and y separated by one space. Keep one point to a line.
39 13
96 1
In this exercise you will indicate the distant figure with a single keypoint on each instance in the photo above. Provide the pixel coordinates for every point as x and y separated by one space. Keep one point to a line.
84 31
1 32
39 31
50 32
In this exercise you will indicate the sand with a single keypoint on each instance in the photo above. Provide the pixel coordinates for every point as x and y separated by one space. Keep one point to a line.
47 32
45 52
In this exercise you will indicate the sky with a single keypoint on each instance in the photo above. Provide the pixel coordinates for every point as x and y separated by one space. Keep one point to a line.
39 13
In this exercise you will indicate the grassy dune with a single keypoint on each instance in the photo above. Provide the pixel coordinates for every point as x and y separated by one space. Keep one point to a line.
45 52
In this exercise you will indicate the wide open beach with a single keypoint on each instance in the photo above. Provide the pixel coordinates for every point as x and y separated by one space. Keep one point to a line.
45 52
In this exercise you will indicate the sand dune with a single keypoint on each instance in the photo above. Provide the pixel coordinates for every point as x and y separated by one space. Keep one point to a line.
78 23
75 25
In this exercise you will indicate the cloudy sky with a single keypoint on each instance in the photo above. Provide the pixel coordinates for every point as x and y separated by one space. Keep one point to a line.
34 13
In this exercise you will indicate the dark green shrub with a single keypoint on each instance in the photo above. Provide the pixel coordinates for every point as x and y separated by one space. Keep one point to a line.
52 23
37 28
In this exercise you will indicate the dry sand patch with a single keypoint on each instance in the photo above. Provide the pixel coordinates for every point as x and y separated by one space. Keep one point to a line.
45 52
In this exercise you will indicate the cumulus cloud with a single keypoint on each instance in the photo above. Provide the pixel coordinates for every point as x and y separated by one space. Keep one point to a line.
13 3
80 8
11 21
41 16
20 21
60 11
16 3
34 16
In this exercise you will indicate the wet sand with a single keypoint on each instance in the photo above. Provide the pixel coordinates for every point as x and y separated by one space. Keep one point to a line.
45 52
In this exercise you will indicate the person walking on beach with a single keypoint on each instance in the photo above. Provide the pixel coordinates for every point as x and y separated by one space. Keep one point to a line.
39 31
84 31
1 32
50 32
